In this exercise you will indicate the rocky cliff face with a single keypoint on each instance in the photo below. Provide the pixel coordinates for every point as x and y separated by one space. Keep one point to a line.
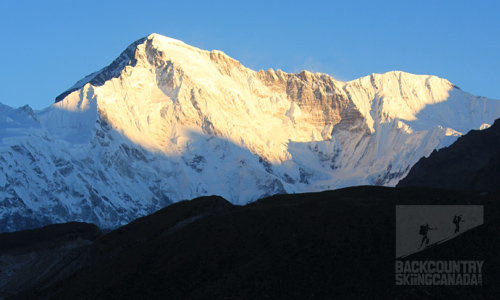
166 122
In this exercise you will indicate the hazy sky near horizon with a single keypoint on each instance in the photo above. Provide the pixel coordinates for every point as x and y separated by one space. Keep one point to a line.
47 46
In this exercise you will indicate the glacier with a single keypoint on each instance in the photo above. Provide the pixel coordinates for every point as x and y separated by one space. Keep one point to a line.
167 122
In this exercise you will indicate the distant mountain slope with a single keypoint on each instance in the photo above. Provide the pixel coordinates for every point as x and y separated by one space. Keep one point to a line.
471 163
167 122
336 244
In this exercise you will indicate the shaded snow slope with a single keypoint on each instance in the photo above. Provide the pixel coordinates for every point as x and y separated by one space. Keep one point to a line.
166 122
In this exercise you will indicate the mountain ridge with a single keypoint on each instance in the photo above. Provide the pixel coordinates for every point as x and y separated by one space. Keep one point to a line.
167 122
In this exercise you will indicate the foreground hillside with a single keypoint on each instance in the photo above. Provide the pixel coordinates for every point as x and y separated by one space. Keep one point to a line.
338 244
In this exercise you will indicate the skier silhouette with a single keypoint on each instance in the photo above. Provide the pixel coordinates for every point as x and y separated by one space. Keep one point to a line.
456 220
424 230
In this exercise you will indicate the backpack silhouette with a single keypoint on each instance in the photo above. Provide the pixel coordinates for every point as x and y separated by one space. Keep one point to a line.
423 230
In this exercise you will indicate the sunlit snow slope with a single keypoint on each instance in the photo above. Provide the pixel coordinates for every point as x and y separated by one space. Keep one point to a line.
167 122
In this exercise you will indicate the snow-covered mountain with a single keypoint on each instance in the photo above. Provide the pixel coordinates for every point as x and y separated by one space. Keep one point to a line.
167 122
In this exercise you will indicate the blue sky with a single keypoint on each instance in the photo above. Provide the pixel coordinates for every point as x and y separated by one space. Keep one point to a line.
46 46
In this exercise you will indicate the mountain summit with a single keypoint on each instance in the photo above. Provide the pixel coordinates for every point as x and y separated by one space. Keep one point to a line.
167 121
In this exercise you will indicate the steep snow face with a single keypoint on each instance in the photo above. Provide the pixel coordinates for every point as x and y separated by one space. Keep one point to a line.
166 122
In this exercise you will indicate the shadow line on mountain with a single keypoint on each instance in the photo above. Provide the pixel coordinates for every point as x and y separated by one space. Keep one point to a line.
448 113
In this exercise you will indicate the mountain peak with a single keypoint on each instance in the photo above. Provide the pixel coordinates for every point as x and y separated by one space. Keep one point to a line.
163 39
154 47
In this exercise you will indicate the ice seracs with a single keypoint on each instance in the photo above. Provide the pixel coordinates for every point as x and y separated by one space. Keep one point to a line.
167 121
